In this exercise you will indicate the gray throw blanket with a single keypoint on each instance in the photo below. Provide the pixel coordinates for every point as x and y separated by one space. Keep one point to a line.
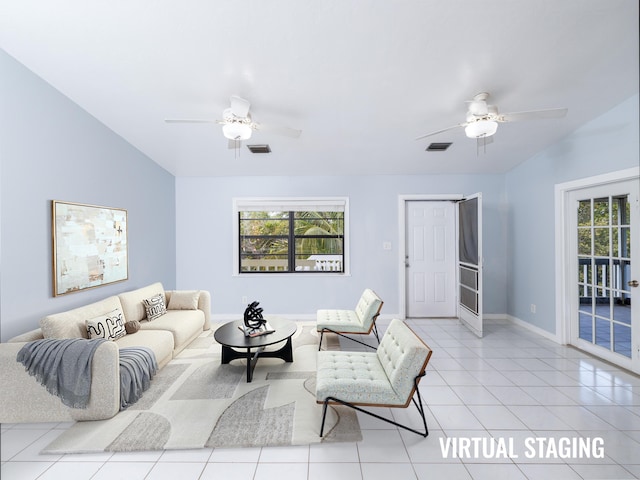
137 367
62 366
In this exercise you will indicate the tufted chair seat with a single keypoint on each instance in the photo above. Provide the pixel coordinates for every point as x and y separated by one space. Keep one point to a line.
356 377
361 320
387 377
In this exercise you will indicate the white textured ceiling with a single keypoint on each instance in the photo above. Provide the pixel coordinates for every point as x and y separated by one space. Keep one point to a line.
361 78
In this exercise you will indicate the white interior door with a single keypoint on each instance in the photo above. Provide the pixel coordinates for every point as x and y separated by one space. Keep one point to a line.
604 293
430 259
470 262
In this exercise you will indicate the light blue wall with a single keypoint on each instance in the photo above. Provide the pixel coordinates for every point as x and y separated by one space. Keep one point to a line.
51 149
205 239
606 144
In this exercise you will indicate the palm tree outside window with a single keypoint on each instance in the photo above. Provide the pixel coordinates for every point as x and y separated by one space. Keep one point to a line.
307 237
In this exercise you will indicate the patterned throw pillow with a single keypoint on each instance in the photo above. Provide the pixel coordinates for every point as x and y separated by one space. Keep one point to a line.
155 306
109 326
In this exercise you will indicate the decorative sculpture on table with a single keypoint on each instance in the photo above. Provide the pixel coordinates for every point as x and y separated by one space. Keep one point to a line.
253 316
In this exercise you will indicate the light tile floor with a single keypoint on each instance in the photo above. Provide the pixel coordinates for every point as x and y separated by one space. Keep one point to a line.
512 385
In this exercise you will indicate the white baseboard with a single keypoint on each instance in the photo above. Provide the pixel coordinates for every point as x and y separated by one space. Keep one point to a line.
532 328
502 317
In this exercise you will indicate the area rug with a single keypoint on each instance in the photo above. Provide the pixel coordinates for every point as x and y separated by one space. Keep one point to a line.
195 402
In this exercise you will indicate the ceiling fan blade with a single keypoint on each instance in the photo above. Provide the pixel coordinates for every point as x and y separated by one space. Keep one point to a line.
440 131
239 106
277 129
533 115
189 120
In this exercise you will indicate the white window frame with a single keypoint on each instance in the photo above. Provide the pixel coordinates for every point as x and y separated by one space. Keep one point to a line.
286 204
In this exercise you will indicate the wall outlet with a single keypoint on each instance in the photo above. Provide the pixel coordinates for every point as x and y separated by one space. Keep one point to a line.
245 300
533 308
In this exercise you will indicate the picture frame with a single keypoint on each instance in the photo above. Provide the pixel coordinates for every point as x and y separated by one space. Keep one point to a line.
90 246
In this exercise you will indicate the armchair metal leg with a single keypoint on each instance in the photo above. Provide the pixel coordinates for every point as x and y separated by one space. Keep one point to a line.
324 415
418 405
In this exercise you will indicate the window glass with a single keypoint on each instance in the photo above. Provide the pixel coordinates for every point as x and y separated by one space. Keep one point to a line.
300 236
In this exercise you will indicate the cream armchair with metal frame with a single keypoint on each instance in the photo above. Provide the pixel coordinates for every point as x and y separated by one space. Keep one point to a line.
388 377
360 321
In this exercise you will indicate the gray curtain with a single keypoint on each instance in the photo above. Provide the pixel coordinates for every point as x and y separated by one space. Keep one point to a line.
468 229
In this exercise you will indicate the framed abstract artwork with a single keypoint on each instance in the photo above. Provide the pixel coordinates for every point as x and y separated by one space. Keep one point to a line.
89 246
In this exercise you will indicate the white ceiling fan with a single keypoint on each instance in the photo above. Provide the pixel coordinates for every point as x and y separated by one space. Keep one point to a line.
482 119
237 124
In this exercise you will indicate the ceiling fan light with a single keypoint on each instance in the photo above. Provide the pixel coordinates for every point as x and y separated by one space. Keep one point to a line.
481 128
236 131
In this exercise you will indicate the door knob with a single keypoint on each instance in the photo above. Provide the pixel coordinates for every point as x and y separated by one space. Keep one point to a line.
633 283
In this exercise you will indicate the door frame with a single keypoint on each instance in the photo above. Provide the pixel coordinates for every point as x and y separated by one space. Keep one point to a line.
565 277
402 250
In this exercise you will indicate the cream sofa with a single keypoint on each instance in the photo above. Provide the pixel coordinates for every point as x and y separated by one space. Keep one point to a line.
23 399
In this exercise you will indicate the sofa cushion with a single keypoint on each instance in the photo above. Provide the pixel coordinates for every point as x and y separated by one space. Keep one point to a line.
72 323
204 304
154 306
159 341
133 301
109 326
185 325
184 300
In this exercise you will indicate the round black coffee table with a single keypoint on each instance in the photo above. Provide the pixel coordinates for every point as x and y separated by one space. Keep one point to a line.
231 337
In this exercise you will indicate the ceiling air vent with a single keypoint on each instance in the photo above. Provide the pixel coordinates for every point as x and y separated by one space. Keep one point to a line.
438 147
259 148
